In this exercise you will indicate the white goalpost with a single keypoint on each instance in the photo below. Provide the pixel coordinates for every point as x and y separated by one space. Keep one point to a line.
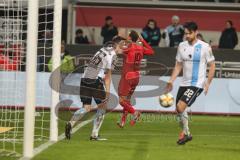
30 35
57 27
31 67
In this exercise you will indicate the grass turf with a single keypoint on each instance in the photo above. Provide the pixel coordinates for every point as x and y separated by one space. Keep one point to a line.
154 137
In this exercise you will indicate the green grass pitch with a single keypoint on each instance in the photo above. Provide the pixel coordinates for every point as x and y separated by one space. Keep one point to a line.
153 138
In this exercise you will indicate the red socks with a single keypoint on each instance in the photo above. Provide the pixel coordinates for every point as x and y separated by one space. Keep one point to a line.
127 107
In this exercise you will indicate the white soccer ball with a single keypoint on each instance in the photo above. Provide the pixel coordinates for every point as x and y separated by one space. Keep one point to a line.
166 100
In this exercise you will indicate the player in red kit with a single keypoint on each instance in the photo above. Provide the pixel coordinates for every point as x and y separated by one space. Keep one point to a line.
133 54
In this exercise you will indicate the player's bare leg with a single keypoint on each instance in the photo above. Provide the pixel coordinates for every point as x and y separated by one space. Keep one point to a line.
185 135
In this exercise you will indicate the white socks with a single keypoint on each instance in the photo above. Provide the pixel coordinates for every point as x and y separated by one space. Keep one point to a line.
97 122
183 121
78 115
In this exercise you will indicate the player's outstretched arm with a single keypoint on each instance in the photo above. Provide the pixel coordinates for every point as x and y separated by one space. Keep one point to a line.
210 76
176 71
147 48
107 80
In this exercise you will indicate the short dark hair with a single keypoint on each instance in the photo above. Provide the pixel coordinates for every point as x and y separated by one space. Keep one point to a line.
79 31
230 22
133 35
152 20
108 18
117 39
191 26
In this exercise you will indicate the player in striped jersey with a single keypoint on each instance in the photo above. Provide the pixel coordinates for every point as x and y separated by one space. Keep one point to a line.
193 56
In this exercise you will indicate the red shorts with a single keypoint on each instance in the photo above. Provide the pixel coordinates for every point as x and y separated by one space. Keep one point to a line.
127 87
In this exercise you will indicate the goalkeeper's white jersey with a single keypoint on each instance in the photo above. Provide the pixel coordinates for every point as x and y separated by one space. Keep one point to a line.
100 62
194 59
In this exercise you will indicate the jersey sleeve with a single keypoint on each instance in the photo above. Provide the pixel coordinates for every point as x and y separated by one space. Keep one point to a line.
109 63
114 62
147 48
178 56
110 60
209 55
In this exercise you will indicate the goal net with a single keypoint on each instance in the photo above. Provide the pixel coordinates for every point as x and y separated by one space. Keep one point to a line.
14 52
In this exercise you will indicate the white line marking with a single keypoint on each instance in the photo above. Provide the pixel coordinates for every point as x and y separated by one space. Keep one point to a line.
171 135
61 137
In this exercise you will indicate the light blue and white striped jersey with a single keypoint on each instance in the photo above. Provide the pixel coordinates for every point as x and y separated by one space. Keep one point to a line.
194 59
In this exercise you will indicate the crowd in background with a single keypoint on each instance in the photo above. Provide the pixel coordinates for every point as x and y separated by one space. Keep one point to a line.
172 35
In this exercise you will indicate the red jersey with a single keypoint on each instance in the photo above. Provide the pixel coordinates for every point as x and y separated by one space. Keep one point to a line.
133 57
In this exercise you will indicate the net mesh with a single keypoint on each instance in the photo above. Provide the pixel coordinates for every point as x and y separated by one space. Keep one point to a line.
13 33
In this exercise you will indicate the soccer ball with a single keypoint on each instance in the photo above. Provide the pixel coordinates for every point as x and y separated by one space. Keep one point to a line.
166 100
